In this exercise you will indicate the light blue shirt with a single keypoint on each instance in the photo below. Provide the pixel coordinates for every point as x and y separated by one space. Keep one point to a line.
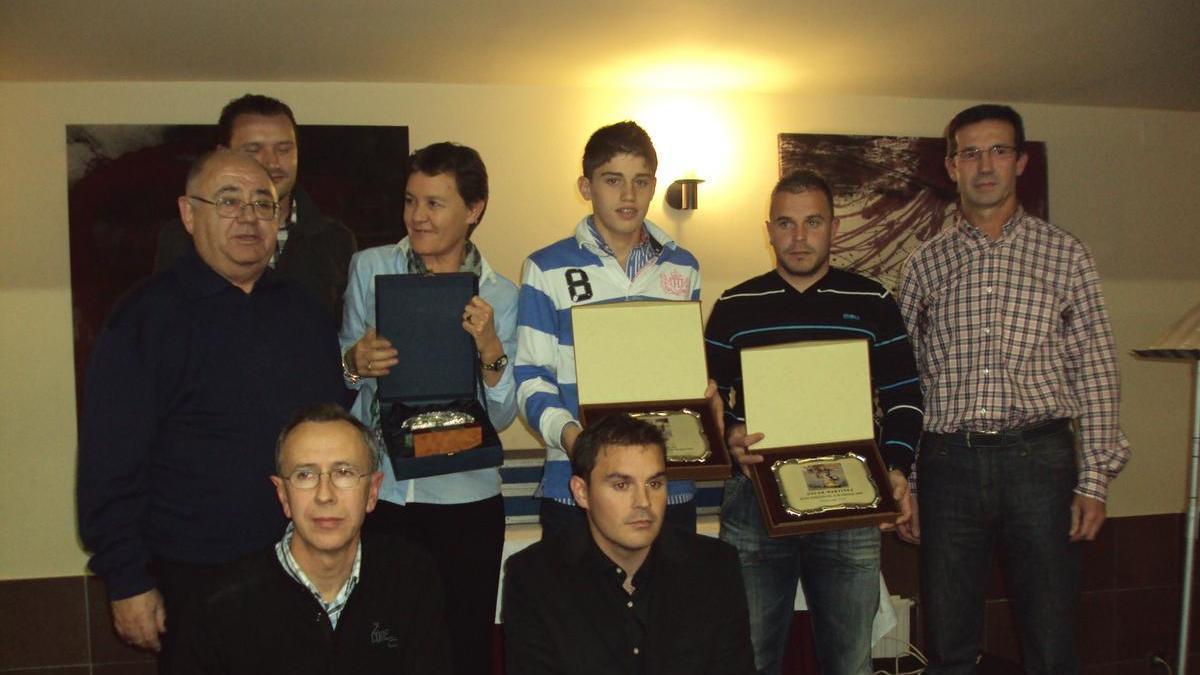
500 400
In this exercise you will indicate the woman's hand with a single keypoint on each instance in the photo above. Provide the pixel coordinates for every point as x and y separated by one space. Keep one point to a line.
371 356
477 321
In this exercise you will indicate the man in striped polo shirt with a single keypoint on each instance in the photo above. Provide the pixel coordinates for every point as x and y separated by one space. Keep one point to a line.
615 255
803 298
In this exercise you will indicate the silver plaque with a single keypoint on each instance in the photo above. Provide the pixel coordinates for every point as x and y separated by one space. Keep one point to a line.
831 483
437 419
683 431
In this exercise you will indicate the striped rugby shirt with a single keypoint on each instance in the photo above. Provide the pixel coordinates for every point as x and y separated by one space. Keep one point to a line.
1012 332
578 271
766 310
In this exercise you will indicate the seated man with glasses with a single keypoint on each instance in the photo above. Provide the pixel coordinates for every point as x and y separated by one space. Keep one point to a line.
323 599
193 375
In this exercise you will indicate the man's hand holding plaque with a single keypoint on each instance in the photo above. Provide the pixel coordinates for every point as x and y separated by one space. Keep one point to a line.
815 465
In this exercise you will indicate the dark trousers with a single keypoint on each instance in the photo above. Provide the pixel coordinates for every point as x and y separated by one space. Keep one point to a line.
557 517
1018 494
182 586
466 542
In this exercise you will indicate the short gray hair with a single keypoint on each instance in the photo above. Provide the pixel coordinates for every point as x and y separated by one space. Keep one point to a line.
327 412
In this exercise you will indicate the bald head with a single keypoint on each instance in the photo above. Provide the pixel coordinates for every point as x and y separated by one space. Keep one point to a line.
218 157
235 245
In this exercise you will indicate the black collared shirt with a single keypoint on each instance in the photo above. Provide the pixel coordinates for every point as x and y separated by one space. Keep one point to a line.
637 605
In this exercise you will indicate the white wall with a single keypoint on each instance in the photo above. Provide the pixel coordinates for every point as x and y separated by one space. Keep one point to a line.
1121 179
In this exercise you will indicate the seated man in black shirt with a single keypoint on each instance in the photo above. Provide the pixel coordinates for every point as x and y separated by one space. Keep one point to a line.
323 600
622 594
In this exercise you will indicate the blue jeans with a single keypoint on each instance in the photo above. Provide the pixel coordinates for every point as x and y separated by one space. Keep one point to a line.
1020 495
840 573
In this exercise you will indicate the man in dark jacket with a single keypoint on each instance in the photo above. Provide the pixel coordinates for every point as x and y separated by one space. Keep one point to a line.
622 595
311 250
192 377
323 600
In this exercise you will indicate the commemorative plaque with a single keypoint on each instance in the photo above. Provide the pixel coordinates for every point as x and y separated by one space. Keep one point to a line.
431 420
821 471
646 359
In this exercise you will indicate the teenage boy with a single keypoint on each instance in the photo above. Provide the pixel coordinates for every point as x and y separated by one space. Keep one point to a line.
615 255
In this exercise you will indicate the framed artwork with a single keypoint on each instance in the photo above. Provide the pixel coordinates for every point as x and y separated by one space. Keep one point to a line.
123 181
892 193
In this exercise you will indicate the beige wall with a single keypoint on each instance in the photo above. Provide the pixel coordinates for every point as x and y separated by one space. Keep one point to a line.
1118 179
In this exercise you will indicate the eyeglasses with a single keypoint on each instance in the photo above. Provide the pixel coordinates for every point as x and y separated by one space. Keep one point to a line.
231 207
342 477
998 152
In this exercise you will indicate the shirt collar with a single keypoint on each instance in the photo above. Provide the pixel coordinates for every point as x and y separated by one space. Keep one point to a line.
403 249
1007 231
292 219
200 281
596 560
585 238
283 552
646 244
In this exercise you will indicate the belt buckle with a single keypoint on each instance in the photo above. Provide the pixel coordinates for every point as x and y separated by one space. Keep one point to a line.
987 434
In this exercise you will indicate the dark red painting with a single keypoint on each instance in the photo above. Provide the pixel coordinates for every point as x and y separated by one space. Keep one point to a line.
892 193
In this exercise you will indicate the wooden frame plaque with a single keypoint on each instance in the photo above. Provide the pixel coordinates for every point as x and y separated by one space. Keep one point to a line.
821 470
646 359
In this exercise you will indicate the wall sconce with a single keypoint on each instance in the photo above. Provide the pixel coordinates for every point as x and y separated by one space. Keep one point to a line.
682 195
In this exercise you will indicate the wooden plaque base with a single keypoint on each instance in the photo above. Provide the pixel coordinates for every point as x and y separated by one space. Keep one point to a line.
781 523
447 441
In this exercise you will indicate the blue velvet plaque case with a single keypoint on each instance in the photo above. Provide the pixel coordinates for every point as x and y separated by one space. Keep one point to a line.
438 369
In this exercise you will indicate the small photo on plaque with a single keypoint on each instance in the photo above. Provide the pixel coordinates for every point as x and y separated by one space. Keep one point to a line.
683 431
814 485
825 476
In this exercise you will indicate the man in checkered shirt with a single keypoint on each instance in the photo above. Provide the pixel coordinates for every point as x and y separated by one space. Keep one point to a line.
1017 364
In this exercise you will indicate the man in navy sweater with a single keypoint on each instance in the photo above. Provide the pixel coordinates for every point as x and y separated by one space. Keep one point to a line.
195 372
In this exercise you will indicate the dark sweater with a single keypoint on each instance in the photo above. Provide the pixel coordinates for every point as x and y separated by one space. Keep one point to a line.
188 386
257 620
766 310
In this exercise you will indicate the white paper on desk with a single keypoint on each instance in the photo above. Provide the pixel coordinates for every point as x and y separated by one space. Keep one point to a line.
639 351
807 393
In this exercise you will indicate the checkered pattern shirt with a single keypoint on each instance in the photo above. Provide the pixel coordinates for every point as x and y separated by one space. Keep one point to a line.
643 253
1012 332
281 236
333 608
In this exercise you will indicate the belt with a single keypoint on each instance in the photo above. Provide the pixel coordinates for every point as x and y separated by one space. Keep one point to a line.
1005 437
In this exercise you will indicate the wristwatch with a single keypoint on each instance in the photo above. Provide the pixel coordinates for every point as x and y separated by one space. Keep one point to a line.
496 365
350 377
